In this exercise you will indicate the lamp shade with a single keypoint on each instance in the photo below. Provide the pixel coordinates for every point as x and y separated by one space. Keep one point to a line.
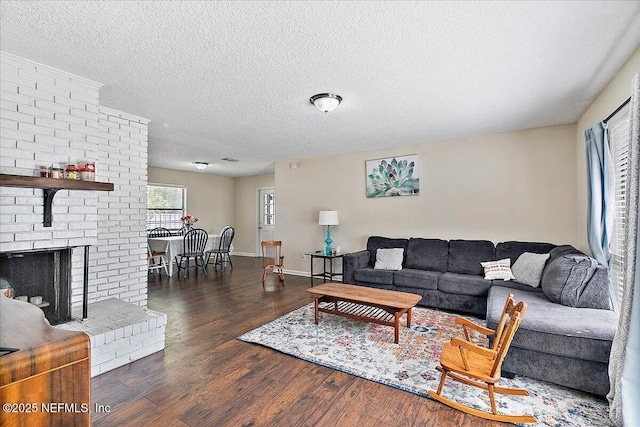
328 218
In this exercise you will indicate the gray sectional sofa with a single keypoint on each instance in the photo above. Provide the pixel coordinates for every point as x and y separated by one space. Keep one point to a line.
566 334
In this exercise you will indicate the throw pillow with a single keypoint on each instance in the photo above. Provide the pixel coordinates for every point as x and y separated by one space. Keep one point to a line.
498 270
576 280
528 268
389 259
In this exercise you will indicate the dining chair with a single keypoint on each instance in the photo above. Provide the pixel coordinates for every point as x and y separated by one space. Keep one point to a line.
156 261
272 259
159 232
481 367
222 254
194 244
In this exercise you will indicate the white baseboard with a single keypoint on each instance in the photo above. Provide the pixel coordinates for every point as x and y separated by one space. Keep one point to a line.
297 273
249 254
292 272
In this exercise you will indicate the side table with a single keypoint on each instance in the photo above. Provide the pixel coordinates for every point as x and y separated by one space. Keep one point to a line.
327 273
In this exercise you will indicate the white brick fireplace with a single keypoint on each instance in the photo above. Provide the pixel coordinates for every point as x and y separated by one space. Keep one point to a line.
50 117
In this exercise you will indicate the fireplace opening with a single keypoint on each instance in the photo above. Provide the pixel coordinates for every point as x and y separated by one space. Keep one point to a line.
42 277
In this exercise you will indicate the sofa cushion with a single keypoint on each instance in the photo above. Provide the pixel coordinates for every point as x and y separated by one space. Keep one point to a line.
376 242
514 249
528 268
419 279
369 275
389 259
582 333
427 254
465 256
577 280
463 284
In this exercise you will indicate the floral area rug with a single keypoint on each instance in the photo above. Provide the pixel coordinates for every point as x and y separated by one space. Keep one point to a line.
367 350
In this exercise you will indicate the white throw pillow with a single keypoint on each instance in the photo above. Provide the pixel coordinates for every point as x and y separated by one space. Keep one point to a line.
389 259
528 268
498 270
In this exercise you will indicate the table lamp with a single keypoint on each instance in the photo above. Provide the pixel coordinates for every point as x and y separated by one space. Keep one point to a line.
328 218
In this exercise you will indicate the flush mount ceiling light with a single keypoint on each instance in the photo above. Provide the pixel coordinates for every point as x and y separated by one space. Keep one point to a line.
326 101
201 165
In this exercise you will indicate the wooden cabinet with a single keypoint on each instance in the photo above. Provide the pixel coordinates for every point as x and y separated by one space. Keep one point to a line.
47 382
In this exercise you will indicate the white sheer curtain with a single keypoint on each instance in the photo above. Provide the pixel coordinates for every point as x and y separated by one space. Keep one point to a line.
624 363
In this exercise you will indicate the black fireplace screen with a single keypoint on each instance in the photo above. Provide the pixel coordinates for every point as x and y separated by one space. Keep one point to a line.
42 277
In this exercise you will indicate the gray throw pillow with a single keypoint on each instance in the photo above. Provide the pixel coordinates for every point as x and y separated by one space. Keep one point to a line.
528 268
389 259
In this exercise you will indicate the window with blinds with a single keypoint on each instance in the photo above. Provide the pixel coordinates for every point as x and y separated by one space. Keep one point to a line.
618 135
165 206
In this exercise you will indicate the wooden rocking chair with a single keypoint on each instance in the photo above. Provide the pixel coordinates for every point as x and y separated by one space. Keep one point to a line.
272 259
469 327
480 367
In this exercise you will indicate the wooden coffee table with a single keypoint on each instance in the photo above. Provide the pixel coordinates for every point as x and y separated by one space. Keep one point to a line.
366 304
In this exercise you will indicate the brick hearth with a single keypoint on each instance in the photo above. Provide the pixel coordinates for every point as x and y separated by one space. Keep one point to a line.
120 333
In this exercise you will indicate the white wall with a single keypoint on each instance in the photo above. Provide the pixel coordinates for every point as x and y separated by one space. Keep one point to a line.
49 117
511 186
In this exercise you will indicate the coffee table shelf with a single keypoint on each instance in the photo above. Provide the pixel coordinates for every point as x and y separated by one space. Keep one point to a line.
356 311
379 306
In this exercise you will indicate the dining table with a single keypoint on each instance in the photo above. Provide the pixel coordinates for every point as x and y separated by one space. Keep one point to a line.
173 245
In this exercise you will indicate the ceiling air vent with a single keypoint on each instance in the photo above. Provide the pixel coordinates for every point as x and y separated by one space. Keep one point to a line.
229 159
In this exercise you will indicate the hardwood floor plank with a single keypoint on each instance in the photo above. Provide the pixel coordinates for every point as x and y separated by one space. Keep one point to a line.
296 399
335 384
206 377
129 413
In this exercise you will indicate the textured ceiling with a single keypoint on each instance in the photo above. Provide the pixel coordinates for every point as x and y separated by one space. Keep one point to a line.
233 79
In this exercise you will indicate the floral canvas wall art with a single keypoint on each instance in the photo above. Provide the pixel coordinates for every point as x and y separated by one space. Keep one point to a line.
396 176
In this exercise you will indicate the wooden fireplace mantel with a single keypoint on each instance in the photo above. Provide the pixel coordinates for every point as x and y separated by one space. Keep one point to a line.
52 183
51 187
50 367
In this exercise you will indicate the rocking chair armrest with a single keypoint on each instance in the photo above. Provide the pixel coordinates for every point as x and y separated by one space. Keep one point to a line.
474 326
458 342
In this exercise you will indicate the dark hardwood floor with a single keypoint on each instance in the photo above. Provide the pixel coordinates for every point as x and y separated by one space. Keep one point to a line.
205 377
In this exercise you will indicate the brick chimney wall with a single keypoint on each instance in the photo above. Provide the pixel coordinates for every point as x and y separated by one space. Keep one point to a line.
51 117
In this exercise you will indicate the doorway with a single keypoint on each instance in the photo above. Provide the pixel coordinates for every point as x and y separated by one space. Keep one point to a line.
266 215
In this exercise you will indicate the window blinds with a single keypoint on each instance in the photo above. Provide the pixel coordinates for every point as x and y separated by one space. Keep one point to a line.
618 136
